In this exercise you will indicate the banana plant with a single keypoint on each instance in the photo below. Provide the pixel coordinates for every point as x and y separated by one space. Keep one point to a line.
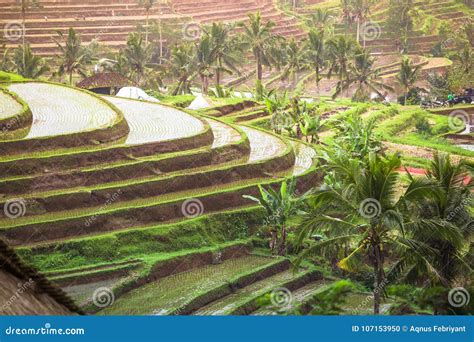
280 207
310 128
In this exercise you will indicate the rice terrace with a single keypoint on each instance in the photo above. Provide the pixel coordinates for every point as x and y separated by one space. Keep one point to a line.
236 157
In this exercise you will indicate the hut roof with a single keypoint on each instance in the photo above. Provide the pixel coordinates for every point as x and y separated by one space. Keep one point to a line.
105 80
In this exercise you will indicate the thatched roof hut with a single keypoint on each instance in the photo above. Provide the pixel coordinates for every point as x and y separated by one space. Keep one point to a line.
106 83
25 291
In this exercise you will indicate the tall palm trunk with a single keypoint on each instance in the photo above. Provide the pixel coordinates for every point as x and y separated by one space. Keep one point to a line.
146 29
318 88
205 85
218 77
358 30
161 38
259 67
365 36
378 277
23 28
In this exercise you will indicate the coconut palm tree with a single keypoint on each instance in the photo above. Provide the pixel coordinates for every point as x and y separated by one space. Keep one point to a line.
321 19
449 210
227 54
465 58
363 210
279 54
362 74
147 5
400 21
315 54
346 7
259 37
407 76
182 67
361 11
25 6
137 55
205 59
339 51
73 54
296 61
27 64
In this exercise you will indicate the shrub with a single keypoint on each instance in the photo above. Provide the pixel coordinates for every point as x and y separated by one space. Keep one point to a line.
422 125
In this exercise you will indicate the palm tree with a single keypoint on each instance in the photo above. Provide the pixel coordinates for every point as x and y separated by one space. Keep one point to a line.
72 56
361 10
280 207
321 18
362 74
316 53
137 55
259 37
25 5
400 20
346 7
340 51
147 5
182 67
296 61
205 59
408 76
27 64
465 57
362 210
226 53
449 209
279 53
163 33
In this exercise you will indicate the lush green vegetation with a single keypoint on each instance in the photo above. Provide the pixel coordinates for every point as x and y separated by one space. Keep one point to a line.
364 231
